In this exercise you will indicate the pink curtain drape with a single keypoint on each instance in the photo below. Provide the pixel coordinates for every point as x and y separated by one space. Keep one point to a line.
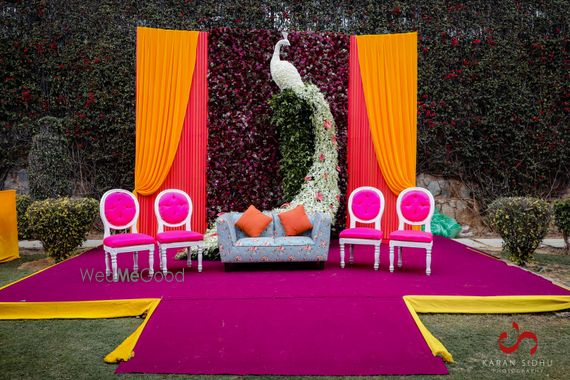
188 170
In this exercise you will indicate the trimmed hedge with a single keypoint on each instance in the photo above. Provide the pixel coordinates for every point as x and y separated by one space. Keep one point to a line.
561 213
522 223
22 204
493 99
62 224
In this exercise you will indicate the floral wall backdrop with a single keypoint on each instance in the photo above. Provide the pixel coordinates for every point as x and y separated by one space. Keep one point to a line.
243 150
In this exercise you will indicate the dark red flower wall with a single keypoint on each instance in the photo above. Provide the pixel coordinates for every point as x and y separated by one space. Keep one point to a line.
243 151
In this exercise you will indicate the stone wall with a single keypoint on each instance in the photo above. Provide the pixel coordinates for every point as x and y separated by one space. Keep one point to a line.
453 199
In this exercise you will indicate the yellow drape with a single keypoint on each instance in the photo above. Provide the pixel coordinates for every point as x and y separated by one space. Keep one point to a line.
389 70
165 65
8 226
477 305
88 310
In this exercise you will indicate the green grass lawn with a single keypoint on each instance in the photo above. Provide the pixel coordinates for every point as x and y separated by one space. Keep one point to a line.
72 349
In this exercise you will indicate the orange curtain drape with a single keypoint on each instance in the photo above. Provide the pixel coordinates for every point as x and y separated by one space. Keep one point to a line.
8 226
363 169
188 170
165 67
388 66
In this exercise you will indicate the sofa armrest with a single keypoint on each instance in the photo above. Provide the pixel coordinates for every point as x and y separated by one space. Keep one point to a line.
322 227
226 231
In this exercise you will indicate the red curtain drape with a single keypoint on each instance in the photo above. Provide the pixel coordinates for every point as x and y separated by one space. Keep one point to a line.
363 169
188 170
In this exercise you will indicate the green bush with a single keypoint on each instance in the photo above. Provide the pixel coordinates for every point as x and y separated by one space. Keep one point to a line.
62 224
22 204
492 79
49 162
522 223
292 117
562 218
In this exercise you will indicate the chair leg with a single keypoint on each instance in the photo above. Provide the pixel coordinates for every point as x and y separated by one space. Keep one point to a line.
342 255
376 256
136 262
107 269
391 258
351 257
163 265
428 261
114 266
151 261
400 249
189 257
199 259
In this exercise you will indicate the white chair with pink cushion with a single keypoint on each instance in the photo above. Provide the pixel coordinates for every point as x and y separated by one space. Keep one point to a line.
365 205
415 206
120 211
173 208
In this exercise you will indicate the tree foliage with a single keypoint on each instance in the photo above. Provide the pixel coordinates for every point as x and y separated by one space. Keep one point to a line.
493 96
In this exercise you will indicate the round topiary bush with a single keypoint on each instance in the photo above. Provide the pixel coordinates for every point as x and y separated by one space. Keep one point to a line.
562 219
522 223
49 162
62 224
22 204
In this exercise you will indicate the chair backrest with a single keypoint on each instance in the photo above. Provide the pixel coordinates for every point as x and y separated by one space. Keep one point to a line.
415 206
119 210
173 208
366 205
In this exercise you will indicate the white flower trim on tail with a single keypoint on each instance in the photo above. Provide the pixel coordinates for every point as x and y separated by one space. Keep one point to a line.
320 191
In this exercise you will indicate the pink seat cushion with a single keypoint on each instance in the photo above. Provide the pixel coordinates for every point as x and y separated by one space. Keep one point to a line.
366 204
178 236
173 207
126 240
119 208
361 233
415 206
415 236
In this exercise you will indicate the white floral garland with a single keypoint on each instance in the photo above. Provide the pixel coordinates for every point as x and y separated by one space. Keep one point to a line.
320 191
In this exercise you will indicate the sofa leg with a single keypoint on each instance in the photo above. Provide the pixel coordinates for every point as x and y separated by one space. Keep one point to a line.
321 265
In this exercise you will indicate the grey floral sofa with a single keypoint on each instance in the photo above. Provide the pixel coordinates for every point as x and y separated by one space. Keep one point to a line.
273 245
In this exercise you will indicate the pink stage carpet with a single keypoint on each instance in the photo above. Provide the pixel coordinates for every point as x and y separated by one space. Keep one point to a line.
285 321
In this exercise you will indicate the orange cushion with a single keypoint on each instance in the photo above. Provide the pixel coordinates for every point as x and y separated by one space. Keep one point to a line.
295 221
253 222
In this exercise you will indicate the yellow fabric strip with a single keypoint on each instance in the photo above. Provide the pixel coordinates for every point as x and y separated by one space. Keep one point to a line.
477 305
9 249
389 71
437 348
165 66
125 350
87 310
